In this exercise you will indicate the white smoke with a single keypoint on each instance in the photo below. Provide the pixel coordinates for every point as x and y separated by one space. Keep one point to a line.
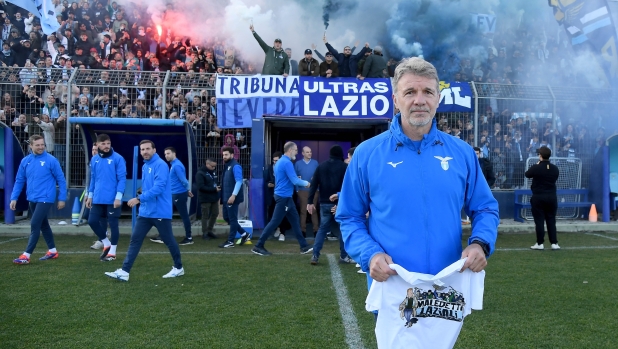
409 49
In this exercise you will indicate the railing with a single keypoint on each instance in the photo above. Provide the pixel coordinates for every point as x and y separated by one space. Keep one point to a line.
190 96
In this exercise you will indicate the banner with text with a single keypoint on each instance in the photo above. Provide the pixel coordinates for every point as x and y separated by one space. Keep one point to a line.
483 22
455 96
243 98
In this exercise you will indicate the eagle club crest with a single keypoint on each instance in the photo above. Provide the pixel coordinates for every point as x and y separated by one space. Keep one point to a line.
443 161
440 303
109 161
42 163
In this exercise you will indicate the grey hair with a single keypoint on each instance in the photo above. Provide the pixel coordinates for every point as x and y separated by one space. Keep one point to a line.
418 67
287 146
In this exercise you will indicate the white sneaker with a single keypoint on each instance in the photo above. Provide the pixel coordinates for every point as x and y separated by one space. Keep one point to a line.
357 265
281 237
360 271
537 247
174 273
97 245
119 275
555 247
277 233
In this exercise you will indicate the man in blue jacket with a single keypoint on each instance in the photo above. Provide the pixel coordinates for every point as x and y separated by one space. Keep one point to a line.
413 180
155 210
285 180
232 196
41 173
180 193
108 170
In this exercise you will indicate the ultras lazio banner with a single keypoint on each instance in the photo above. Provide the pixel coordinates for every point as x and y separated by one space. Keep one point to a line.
243 98
455 96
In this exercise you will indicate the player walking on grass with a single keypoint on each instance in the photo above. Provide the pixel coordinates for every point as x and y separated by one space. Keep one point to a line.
232 196
41 173
155 210
180 194
107 171
285 180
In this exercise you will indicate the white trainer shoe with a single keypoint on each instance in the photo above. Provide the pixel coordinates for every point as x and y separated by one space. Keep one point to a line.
281 237
555 247
174 273
357 265
97 245
537 247
119 275
360 271
277 233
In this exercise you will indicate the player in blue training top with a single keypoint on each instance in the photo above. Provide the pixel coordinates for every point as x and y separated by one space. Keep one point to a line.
108 176
285 180
180 193
40 171
155 210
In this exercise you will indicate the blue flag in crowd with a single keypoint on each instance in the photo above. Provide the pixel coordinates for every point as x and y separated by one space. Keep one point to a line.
44 9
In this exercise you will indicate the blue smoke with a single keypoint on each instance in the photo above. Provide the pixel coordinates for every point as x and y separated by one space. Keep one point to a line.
335 8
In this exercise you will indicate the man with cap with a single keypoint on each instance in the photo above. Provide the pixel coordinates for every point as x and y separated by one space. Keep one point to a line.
544 200
328 68
22 52
374 65
309 66
80 57
276 61
346 61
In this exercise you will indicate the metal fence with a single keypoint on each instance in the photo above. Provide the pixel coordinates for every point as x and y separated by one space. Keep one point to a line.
509 122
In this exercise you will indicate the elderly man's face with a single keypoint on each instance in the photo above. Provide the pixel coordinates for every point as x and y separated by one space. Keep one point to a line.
417 98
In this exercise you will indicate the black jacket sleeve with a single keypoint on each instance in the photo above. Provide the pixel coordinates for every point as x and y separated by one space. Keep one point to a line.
315 183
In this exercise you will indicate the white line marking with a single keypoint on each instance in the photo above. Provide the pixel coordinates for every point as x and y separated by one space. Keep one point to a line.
603 236
562 248
350 324
15 239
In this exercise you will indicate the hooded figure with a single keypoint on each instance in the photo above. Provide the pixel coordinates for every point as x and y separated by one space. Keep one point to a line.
230 141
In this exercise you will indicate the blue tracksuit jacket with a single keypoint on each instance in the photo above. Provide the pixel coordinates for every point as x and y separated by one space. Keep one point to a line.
107 174
40 173
178 177
156 198
286 178
414 196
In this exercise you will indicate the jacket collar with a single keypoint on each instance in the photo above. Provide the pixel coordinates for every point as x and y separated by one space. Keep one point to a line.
155 157
400 137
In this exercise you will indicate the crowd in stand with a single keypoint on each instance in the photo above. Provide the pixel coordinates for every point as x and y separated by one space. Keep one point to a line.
117 55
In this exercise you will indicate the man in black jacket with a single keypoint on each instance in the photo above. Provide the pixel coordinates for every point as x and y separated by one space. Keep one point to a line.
544 200
208 195
487 167
329 178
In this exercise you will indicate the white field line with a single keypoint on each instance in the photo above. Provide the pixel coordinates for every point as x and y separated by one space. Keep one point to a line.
350 323
561 247
15 239
603 236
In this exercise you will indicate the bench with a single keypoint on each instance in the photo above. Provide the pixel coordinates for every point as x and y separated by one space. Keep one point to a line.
520 204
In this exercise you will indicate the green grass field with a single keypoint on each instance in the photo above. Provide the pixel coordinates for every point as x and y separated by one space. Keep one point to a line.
234 299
